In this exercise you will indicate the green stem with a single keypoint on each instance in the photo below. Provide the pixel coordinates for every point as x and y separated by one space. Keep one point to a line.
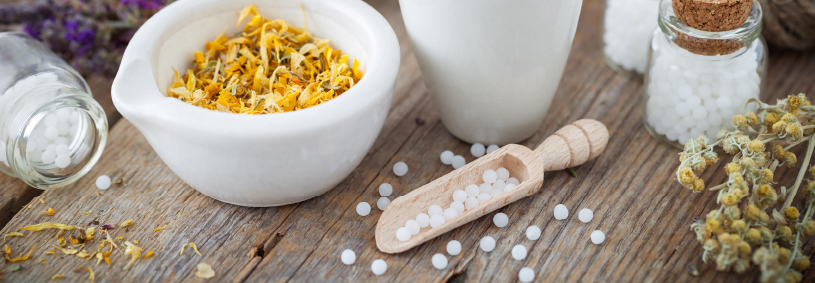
801 173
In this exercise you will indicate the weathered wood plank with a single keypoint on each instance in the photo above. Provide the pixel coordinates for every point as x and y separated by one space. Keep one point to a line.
630 188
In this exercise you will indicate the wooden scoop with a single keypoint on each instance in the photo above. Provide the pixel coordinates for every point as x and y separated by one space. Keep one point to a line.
570 146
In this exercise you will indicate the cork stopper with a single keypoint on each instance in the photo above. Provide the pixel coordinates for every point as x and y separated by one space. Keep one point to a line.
712 15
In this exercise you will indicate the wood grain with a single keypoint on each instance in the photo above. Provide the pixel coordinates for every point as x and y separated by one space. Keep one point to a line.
643 212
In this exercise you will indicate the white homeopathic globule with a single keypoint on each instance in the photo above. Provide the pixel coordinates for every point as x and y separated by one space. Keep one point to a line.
348 257
627 29
400 168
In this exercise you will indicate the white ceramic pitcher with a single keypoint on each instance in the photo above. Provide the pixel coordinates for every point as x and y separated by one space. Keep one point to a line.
492 67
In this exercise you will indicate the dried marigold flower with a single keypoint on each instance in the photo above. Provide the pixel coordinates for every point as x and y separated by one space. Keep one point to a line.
751 118
779 127
763 218
744 249
730 200
784 233
766 176
741 265
789 118
809 228
791 214
771 118
752 212
698 185
748 164
710 157
714 226
686 176
795 131
732 167
756 146
712 245
778 151
739 122
801 263
790 159
765 191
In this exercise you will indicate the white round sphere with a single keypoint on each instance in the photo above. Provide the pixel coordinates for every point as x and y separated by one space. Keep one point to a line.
500 219
472 190
403 234
489 176
423 220
487 244
458 161
454 247
598 237
492 148
526 275
439 261
61 149
348 257
383 203
724 102
519 252
449 213
471 203
561 212
51 132
485 188
400 169
434 210
460 196
103 182
478 150
533 233
378 267
503 174
363 208
585 215
496 193
458 206
483 197
509 187
413 226
48 157
385 189
513 181
447 157
62 161
436 221
499 185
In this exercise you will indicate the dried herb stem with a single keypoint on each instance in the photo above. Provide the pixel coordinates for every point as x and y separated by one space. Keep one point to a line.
801 174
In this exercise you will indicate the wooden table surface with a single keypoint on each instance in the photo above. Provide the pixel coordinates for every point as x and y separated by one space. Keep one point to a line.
645 214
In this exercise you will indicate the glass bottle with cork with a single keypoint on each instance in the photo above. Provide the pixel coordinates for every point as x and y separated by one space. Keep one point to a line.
707 59
627 27
52 131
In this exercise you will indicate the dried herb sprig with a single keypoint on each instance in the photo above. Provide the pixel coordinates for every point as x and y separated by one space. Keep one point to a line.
738 238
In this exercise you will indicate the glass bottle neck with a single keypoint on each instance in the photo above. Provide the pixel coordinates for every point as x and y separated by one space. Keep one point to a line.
717 45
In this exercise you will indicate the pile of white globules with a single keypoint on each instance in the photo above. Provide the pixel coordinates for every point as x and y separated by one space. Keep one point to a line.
495 183
50 140
689 95
628 27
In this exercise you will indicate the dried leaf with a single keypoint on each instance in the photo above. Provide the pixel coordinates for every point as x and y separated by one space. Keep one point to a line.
16 259
148 254
126 223
57 276
779 218
205 271
195 248
159 228
47 225
49 212
14 234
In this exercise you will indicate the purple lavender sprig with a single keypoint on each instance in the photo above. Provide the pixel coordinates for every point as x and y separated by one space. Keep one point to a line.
91 35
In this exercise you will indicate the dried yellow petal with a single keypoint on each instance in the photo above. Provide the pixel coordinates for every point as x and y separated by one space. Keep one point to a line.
48 225
14 234
50 252
49 212
205 271
159 228
89 233
126 223
66 251
195 248
42 200
82 254
57 276
90 273
16 259
62 241
134 251
148 254
42 260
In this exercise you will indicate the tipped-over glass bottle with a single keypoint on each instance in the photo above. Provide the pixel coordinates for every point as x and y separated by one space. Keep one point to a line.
52 131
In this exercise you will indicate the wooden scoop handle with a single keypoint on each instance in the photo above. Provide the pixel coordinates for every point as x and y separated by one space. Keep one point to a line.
573 145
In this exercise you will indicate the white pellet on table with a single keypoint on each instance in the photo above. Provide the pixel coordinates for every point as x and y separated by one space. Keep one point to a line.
436 220
363 208
413 226
487 244
526 275
439 261
472 190
519 252
400 169
103 182
483 197
458 161
492 148
423 219
503 174
447 157
598 237
385 189
383 203
449 213
460 196
458 206
499 185
585 215
478 150
378 267
403 234
489 176
454 247
500 219
348 257
533 233
561 212
628 25
485 188
471 203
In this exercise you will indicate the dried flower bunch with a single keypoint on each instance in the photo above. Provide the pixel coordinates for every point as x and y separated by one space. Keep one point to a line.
91 35
270 67
741 233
